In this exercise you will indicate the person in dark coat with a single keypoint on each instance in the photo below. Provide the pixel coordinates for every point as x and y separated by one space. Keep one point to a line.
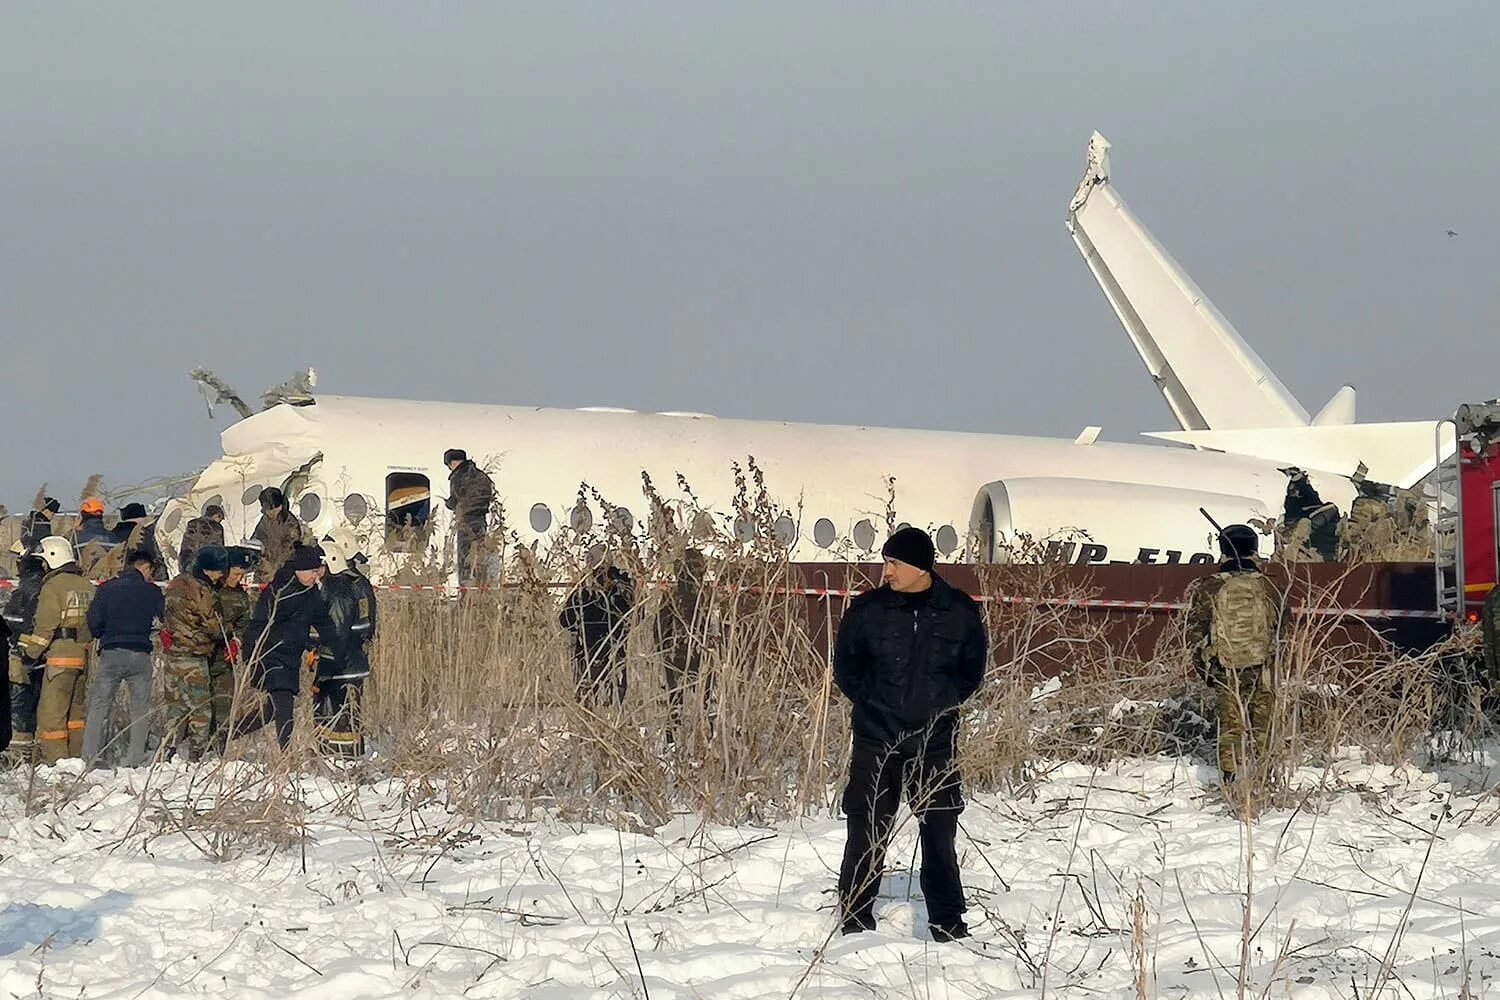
201 531
277 533
136 532
38 523
597 615
121 618
907 655
280 637
344 658
470 496
684 632
25 673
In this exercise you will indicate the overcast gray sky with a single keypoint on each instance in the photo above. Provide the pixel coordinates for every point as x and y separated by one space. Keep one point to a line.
835 213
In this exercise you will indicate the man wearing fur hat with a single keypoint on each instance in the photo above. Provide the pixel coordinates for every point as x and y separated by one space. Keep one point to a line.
470 495
907 656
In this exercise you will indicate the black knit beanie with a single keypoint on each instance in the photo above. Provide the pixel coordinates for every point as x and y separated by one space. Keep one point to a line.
911 546
307 557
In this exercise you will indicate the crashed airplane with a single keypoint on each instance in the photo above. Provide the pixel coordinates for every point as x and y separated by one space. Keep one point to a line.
374 466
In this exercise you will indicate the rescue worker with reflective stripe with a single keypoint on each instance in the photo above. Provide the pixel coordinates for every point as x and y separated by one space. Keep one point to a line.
60 637
1234 621
25 672
343 659
189 638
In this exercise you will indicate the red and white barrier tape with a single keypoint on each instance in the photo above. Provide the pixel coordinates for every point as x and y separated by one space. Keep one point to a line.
1056 602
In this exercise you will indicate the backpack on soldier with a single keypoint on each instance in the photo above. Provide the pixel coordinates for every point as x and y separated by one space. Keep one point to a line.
1243 630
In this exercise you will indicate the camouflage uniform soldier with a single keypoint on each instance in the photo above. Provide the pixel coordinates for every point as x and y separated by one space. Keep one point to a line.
189 638
1234 619
234 604
1310 526
60 634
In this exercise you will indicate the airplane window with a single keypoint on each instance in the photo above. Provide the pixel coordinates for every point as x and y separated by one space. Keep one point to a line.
355 508
703 524
621 519
173 520
824 533
214 501
744 528
864 535
309 507
903 526
786 531
947 540
251 497
408 509
541 517
582 519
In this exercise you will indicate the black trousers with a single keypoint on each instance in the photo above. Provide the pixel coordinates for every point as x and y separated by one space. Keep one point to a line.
23 699
278 709
878 777
337 710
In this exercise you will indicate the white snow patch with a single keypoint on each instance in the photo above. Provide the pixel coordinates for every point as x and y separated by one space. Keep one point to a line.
399 903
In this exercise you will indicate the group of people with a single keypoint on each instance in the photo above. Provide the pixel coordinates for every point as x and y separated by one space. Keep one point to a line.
907 656
73 644
1383 523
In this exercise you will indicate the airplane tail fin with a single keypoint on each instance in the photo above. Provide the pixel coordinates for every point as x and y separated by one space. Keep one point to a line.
1209 376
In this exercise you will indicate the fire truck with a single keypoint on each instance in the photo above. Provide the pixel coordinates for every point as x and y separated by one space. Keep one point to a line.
1467 480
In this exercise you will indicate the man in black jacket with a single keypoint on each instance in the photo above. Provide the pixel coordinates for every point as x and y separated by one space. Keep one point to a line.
25 678
907 655
343 658
279 638
121 618
470 495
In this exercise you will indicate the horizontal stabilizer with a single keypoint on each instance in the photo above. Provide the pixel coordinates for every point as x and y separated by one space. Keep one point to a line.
1396 453
1338 411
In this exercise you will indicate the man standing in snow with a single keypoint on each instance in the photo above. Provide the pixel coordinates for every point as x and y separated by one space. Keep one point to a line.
1233 623
907 656
60 636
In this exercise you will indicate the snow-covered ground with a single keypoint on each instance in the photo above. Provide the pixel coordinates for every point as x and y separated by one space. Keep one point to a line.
401 903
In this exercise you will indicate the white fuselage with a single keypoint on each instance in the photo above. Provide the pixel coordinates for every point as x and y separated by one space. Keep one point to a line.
1132 502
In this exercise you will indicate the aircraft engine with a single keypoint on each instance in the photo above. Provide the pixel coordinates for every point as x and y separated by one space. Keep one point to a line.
1085 521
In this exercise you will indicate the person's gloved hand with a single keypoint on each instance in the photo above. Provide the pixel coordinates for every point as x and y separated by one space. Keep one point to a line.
165 635
232 651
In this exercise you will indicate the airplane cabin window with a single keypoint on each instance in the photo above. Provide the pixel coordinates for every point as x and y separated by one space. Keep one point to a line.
582 519
947 540
173 520
864 535
824 533
621 519
214 501
309 506
903 526
744 529
408 510
355 508
785 531
703 524
251 497
541 517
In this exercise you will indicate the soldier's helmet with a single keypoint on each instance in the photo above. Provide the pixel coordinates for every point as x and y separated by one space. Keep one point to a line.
1239 541
56 552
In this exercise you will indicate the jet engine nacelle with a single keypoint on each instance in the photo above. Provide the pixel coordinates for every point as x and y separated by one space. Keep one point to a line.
1085 521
